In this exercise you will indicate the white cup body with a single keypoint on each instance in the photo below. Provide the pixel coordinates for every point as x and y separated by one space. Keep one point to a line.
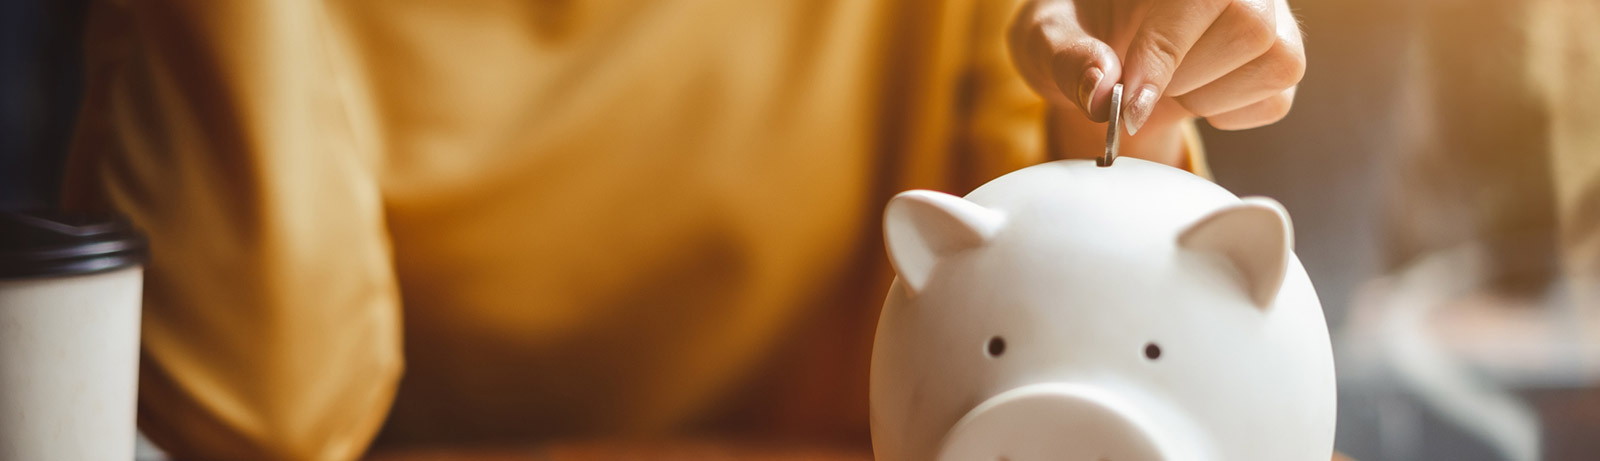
69 366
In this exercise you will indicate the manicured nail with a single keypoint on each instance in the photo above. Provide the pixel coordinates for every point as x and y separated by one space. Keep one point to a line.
1139 108
1086 86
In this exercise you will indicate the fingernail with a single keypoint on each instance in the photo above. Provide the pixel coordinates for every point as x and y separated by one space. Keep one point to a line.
1086 86
1139 108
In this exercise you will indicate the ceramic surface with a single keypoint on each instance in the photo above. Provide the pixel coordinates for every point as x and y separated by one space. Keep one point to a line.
1069 311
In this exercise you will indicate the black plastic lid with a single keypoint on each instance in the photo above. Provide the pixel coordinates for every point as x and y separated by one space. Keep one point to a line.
57 244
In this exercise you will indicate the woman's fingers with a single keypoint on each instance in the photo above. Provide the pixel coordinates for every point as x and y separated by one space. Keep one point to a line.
1170 28
1267 75
1257 114
1233 61
1280 68
1244 31
1061 61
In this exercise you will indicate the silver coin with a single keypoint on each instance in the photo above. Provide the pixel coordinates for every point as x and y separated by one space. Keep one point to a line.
1113 128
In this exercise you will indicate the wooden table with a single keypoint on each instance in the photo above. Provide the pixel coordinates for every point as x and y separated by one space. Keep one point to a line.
645 451
636 450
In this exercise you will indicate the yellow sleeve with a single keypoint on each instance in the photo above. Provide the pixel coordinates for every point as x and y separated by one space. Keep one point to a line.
1001 126
1194 151
271 322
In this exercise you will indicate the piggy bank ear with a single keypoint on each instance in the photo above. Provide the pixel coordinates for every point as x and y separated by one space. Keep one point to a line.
921 227
1255 237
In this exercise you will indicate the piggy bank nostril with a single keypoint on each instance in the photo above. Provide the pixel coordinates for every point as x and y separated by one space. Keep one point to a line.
997 346
1152 351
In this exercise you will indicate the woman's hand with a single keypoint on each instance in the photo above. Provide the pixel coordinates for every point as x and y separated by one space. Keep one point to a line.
1233 62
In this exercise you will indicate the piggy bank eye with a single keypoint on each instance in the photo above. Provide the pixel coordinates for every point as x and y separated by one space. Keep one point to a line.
1152 351
997 346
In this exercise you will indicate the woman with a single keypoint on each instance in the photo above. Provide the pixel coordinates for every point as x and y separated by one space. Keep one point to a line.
585 217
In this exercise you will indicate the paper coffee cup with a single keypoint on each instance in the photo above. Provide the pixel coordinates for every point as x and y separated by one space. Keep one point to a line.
69 336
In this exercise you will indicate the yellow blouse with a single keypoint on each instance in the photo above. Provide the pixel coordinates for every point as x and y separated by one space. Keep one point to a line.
599 217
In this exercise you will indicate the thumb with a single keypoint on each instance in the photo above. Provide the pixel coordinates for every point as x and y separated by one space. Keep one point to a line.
1061 61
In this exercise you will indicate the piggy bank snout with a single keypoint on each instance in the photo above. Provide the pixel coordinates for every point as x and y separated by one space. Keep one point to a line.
1051 422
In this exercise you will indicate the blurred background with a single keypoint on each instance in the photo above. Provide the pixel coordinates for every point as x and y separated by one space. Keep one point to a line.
1439 165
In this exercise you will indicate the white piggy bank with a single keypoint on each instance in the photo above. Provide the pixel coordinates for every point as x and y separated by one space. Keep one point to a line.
1072 312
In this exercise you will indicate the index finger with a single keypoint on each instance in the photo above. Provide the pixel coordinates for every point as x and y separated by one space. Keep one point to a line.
1169 29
